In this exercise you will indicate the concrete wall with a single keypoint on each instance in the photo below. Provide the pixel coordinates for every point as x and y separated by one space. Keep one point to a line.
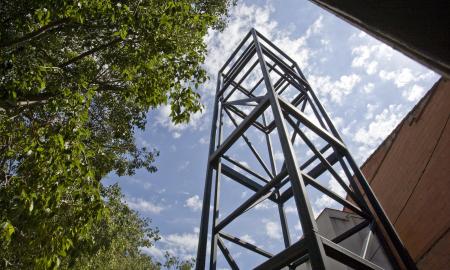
332 222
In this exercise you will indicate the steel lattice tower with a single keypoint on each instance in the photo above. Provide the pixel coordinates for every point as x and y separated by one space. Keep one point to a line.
281 103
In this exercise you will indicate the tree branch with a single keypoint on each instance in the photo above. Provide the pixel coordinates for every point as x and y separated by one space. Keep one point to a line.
89 52
34 34
20 105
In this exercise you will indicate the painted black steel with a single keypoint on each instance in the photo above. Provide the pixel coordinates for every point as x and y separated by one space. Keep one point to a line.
288 114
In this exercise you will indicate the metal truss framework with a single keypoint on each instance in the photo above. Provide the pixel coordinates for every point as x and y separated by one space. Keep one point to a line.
289 121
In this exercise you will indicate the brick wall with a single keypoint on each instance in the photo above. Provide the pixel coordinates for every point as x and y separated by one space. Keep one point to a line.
410 174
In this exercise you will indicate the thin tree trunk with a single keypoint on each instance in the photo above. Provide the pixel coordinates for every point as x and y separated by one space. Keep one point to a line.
33 34
89 52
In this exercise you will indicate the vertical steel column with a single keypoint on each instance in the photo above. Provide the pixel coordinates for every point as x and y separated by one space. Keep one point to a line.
215 236
283 220
203 234
309 226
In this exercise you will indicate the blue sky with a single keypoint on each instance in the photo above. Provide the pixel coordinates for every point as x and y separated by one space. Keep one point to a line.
366 87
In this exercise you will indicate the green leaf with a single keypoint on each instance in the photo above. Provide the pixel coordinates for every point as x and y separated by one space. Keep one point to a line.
31 207
60 140
7 231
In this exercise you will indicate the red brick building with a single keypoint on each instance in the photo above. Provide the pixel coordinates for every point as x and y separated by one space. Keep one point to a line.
410 175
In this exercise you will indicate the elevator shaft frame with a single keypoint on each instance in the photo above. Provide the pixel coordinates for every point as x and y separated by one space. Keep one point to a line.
286 114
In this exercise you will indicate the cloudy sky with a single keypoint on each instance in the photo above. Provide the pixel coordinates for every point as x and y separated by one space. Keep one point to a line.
366 87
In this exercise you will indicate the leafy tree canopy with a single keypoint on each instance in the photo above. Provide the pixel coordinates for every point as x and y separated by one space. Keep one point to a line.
119 239
77 77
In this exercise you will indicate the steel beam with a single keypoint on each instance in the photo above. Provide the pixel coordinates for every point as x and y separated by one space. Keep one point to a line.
226 253
285 257
203 233
245 244
248 170
295 112
213 254
244 180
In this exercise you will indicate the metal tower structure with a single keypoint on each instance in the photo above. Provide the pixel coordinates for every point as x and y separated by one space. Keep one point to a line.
262 90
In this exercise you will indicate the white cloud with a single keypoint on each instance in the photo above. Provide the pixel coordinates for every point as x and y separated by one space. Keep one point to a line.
176 134
405 76
315 28
242 18
400 77
142 205
347 83
334 186
372 67
368 88
371 108
273 229
336 90
278 156
163 119
264 205
144 183
368 56
337 121
370 136
186 241
290 209
247 238
362 56
153 251
381 126
413 93
182 245
221 44
203 140
325 201
194 203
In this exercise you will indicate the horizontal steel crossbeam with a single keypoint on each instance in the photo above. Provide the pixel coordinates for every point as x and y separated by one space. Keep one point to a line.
245 244
285 257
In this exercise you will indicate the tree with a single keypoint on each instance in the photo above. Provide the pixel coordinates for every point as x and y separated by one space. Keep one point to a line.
77 78
118 241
